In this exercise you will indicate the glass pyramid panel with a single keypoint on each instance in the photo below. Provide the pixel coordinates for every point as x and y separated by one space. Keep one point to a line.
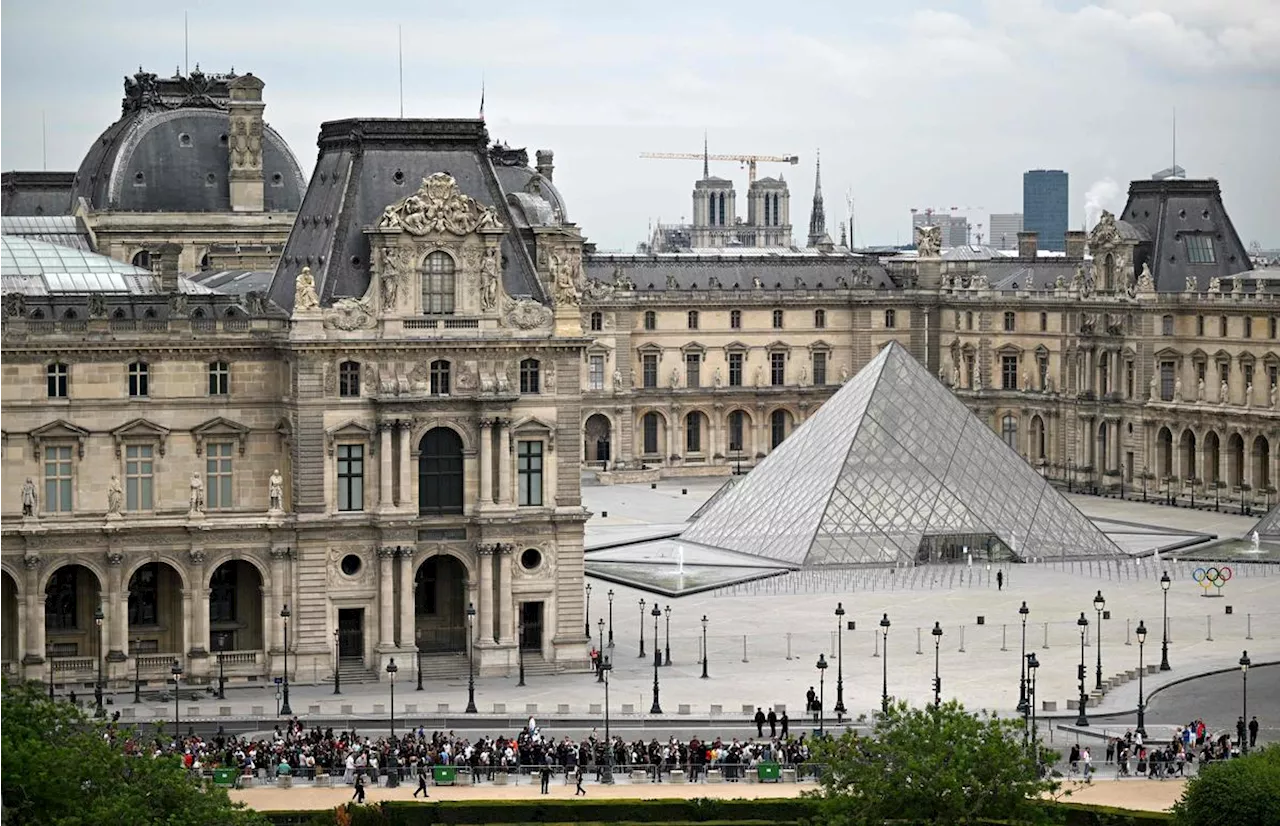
1268 527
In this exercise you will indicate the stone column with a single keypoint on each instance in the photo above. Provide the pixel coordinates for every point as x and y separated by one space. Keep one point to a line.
486 461
386 498
408 638
485 623
188 599
35 652
117 608
506 600
504 461
386 600
199 607
275 621
406 486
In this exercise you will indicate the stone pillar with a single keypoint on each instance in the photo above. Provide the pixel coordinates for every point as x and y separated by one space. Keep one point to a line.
386 600
486 461
386 498
199 606
506 600
35 607
188 620
485 624
504 461
117 608
275 621
406 486
408 638
245 144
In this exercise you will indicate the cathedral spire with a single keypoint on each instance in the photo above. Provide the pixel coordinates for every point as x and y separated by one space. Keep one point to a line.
706 158
818 218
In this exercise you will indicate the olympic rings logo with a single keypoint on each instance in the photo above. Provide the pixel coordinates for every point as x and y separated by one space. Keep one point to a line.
1214 577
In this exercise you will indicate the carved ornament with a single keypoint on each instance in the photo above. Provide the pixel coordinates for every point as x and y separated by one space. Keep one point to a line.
349 314
527 314
439 206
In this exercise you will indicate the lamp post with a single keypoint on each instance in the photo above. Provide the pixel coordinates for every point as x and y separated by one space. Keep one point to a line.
822 693
1142 707
137 672
1099 602
1033 665
1165 582
606 665
1244 698
667 656
588 620
391 673
97 684
48 655
657 659
840 709
610 619
222 679
1022 680
704 646
520 650
884 687
285 710
937 649
471 660
1083 719
337 672
176 671
599 673
642 654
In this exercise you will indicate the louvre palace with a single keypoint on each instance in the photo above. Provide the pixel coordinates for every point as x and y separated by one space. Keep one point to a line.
356 409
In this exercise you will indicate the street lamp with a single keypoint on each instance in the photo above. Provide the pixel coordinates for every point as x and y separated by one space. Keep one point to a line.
642 654
667 657
1244 698
176 671
285 710
704 646
391 673
1022 681
657 659
471 660
1142 707
884 689
337 672
1083 719
520 650
588 620
822 693
48 655
1165 582
600 655
606 665
97 685
222 679
1099 602
937 678
610 595
840 709
1033 665
137 672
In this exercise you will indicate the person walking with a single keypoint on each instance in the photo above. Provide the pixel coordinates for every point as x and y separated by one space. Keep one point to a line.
422 781
773 723
1253 731
999 580
1240 730
358 796
811 703
786 723
759 721
577 775
546 778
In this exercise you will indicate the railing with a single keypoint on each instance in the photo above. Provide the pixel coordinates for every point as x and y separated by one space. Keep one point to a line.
203 325
462 323
238 657
235 324
154 661
65 664
420 324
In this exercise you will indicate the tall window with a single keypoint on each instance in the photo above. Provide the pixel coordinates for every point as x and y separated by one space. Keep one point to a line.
597 321
1129 377
1044 322
819 369
693 433
736 428
56 374
777 369
139 373
890 319
595 373
650 427
1248 326
217 476
777 319
1271 327
1009 372
439 377
1009 430
968 320
1042 371
1222 326
144 595
1166 325
222 594
735 369
1200 326
529 470
1200 249
650 364
57 480
440 472
650 320
1166 380
529 376
820 319
349 379
437 284
139 477
1010 322
61 600
735 319
350 477
219 378
777 427
693 319
692 370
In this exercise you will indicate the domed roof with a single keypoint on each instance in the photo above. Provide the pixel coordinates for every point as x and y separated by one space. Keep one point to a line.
169 153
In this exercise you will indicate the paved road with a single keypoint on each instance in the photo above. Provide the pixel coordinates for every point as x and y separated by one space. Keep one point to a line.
1217 699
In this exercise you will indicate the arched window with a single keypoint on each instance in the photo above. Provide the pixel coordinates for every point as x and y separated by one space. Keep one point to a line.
650 320
777 319
529 376
440 378
735 320
693 433
890 319
1009 430
693 319
597 321
437 284
440 472
349 379
142 258
820 319
650 427
777 427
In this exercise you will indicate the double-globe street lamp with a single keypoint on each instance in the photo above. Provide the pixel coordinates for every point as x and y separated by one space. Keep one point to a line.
642 654
937 651
822 693
1245 662
1142 706
666 660
704 646
471 660
392 668
97 685
1022 680
1099 602
285 710
1082 719
606 665
1165 582
657 659
839 709
610 620
588 613
176 671
884 688
1033 666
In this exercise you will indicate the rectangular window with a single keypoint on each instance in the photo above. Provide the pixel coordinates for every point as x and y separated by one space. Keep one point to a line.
1222 326
1272 371
1042 370
1248 326
1166 325
735 431
1009 372
1044 322
217 476
819 369
777 319
139 478
57 480
1248 375
692 370
1129 376
57 380
650 320
595 373
651 433
693 433
1202 371
777 369
1271 327
1199 249
1010 322
348 379
529 376
219 378
1200 325
350 477
1166 380
735 369
139 376
650 361
735 319
529 469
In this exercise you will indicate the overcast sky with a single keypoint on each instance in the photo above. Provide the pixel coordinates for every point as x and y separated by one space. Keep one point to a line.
914 103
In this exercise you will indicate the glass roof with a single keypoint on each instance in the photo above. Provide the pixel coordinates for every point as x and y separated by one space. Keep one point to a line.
37 268
1269 526
895 469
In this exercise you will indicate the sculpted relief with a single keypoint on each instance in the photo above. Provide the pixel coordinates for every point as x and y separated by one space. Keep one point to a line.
439 206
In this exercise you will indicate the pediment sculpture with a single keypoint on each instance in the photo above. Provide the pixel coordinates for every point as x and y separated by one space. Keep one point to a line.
928 242
1106 232
439 206
397 264
349 314
565 276
527 314
1146 281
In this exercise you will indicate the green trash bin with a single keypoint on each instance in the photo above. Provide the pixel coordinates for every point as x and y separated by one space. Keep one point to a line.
770 772
444 775
224 777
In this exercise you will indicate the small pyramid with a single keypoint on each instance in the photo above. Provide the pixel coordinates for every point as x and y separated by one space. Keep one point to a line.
1268 527
895 469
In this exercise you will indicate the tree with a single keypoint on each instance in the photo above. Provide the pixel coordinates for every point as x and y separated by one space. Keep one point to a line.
932 765
1243 791
62 769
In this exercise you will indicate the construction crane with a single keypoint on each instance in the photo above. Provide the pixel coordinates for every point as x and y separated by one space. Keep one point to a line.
749 161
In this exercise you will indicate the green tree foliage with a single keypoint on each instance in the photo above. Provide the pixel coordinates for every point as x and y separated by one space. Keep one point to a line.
60 769
931 765
1240 792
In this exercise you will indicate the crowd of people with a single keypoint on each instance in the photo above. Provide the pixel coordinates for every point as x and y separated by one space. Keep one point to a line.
1190 744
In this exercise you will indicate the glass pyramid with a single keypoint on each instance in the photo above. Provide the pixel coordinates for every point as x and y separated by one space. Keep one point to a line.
895 469
1269 526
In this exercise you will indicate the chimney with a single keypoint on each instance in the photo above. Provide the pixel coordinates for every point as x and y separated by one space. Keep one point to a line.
546 163
1028 243
1075 244
244 144
167 266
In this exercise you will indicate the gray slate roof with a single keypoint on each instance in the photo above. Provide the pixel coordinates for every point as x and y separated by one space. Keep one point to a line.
1163 212
36 193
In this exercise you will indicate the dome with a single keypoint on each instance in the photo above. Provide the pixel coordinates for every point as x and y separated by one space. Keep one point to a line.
169 153
34 267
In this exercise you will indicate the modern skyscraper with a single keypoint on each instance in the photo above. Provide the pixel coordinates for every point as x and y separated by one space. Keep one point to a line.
1003 230
1044 206
953 229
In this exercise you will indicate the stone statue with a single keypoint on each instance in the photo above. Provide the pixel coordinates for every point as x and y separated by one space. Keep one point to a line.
1191 286
275 491
115 496
1026 382
717 380
29 499
1177 389
1059 283
942 376
563 278
955 375
844 373
504 381
439 206
804 375
675 378
672 284
759 377
617 381
1155 388
1215 284
1199 390
1146 281
928 242
1248 395
756 283
304 292
197 493
1077 280
489 279
1223 392
396 265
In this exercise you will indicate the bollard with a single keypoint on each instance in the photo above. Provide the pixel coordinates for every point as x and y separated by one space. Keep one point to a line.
744 649
1003 629
1046 635
1208 628
1248 626
1126 631
788 645
876 636
962 639
918 651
